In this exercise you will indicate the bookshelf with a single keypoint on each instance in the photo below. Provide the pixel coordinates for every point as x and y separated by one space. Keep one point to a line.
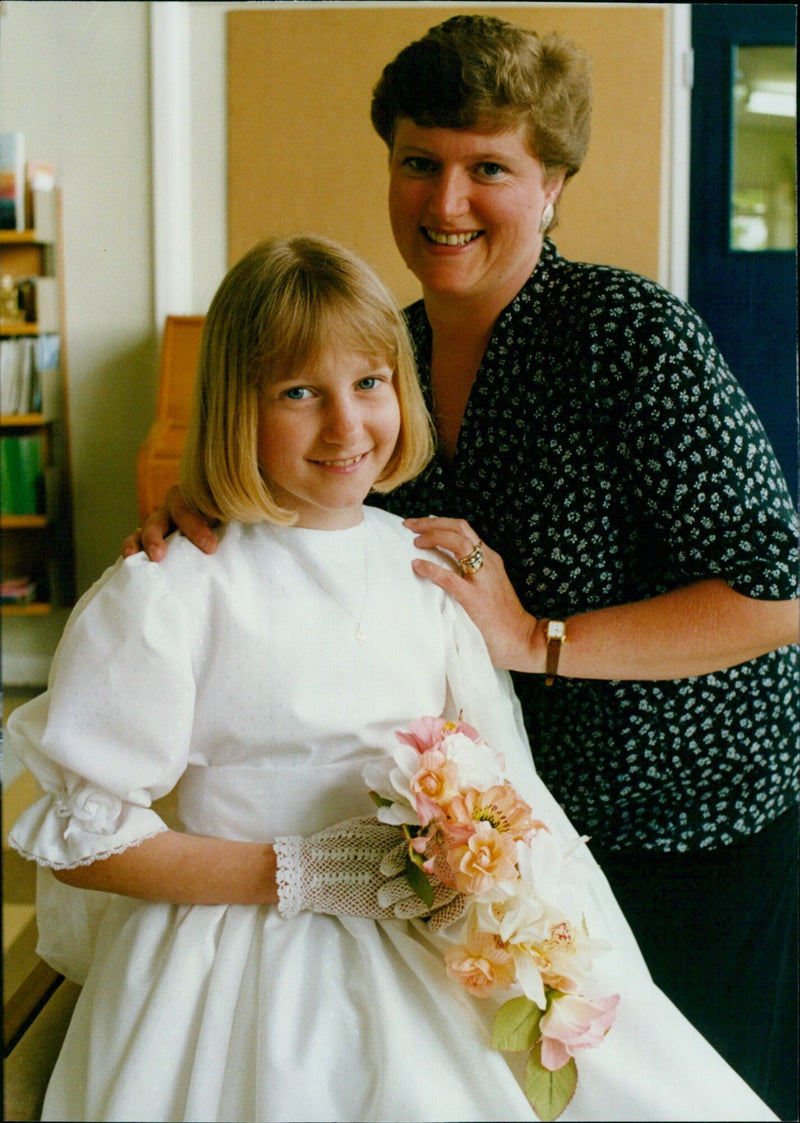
36 521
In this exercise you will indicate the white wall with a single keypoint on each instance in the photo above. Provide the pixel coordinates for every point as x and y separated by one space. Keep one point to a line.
74 78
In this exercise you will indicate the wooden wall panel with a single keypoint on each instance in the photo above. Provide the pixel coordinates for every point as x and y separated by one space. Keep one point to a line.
302 154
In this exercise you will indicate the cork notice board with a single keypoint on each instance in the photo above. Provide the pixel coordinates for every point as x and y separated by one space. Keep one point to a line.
302 154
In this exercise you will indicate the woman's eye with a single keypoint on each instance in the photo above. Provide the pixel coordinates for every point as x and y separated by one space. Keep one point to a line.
418 164
491 170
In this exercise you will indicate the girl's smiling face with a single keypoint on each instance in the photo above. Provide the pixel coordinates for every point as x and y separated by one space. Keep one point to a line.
326 434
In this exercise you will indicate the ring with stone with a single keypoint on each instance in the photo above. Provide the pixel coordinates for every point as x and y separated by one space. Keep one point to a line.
472 562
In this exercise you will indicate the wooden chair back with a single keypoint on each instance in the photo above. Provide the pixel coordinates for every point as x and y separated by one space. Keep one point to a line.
158 458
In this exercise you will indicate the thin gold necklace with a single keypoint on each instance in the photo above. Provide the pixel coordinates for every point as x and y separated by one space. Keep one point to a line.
361 635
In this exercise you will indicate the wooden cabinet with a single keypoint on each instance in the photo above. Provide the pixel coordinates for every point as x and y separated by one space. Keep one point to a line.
37 544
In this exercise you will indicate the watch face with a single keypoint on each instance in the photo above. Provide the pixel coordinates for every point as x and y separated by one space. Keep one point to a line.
556 629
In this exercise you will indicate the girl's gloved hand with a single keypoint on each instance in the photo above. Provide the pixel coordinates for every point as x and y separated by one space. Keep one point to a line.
352 869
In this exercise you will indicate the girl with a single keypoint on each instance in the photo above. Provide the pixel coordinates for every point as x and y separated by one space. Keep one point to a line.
232 970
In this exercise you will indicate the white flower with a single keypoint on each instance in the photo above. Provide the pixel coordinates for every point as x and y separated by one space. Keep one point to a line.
390 778
478 765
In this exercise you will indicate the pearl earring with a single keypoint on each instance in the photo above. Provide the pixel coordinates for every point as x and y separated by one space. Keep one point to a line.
546 221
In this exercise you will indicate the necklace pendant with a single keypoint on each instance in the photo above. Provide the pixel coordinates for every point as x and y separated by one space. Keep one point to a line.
361 635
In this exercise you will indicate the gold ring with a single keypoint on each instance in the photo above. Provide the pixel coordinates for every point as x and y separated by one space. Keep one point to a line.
472 562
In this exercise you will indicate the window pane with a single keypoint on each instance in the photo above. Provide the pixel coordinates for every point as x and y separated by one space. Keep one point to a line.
763 199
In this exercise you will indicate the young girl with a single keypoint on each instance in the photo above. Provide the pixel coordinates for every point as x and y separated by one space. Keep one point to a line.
224 978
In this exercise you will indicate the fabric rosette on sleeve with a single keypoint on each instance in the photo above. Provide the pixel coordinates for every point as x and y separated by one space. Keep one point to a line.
79 822
522 929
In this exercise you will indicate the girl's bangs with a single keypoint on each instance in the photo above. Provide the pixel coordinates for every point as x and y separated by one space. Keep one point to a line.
331 326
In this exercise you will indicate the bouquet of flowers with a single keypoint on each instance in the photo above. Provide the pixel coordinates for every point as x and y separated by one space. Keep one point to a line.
521 925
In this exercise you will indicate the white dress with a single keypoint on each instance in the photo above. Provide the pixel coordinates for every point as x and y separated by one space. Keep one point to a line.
238 678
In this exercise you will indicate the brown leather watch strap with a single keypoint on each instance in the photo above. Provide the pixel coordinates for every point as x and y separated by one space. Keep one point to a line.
555 634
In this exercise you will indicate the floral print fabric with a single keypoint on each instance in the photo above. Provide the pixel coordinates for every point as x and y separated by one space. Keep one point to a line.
609 455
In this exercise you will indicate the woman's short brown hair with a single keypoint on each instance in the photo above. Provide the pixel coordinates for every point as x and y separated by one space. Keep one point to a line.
286 302
481 71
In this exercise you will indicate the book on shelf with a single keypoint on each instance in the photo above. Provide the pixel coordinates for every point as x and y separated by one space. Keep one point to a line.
29 374
12 181
39 296
40 198
17 590
14 355
22 485
46 381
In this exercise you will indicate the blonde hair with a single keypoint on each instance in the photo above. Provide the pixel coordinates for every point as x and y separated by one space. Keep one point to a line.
285 303
480 71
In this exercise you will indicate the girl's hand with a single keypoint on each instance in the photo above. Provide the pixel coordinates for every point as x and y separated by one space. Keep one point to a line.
487 595
355 869
173 513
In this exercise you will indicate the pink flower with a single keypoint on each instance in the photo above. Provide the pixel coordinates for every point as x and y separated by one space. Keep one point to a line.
574 1022
481 965
482 858
429 732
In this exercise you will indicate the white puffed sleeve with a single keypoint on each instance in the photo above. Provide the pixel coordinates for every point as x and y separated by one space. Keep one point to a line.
112 732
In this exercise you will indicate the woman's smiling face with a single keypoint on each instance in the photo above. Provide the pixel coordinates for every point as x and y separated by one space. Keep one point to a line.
465 207
326 434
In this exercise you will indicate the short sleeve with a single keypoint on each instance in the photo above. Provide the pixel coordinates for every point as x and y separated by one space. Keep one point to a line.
112 732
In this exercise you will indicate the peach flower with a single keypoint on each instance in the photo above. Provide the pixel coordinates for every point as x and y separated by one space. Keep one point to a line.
482 859
434 785
499 805
481 965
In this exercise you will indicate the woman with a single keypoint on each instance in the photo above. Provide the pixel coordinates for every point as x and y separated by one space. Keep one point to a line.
591 436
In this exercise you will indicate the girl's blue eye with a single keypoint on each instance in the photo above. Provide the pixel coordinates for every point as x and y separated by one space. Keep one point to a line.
296 393
368 383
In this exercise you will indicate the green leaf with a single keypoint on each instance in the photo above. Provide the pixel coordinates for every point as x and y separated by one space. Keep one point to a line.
418 880
516 1026
549 1092
379 800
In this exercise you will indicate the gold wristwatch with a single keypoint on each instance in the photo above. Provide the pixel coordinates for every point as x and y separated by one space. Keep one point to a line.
555 635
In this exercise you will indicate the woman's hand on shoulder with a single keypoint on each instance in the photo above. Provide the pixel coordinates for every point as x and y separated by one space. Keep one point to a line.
486 594
173 514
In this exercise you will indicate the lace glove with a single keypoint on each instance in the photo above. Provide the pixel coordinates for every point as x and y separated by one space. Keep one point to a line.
339 871
448 904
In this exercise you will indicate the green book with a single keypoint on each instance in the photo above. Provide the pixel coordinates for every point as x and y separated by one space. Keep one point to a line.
22 483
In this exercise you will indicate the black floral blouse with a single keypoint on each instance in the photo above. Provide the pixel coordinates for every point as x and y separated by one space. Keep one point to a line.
609 455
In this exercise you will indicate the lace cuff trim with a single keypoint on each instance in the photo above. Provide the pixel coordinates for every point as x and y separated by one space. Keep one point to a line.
92 858
288 875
